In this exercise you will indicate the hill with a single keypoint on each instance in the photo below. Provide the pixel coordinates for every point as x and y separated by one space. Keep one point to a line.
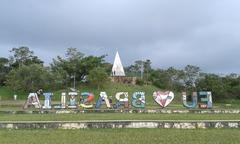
111 89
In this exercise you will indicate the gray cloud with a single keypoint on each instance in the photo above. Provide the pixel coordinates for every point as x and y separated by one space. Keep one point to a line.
169 32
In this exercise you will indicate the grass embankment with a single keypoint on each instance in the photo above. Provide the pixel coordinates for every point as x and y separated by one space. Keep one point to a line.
121 136
115 116
7 94
111 89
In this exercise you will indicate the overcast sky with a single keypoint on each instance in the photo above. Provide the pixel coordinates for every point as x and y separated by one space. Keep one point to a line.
175 33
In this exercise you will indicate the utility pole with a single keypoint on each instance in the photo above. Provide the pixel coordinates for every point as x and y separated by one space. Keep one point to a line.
142 69
74 80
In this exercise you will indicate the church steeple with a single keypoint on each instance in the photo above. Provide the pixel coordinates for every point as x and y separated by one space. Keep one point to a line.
117 69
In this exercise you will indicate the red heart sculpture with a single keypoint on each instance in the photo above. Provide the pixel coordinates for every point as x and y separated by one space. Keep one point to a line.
163 98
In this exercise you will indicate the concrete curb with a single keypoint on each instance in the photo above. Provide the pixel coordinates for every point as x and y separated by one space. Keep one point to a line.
165 124
164 111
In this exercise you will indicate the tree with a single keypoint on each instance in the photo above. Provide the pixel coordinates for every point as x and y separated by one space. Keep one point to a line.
30 78
191 74
23 56
213 83
167 79
232 86
175 77
138 67
67 67
98 77
108 67
135 69
147 68
160 78
4 69
75 65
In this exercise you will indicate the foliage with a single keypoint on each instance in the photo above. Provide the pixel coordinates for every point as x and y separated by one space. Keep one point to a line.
24 71
191 74
140 82
23 56
4 70
139 68
30 78
98 77
108 67
227 87
75 65
212 83
167 79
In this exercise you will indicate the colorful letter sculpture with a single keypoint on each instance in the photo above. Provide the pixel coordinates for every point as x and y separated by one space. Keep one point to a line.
138 99
72 100
32 99
47 101
187 104
63 100
62 103
205 98
101 99
202 100
163 98
121 101
85 99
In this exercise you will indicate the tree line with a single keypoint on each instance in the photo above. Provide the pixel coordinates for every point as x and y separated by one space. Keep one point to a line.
188 79
24 71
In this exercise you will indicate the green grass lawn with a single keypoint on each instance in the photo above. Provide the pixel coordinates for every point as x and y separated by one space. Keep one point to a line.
120 136
115 116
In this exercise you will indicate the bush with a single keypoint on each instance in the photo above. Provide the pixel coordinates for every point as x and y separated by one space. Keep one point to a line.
98 77
140 82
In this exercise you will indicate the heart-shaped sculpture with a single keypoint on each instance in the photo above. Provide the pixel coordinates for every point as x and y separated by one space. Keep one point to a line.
163 98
